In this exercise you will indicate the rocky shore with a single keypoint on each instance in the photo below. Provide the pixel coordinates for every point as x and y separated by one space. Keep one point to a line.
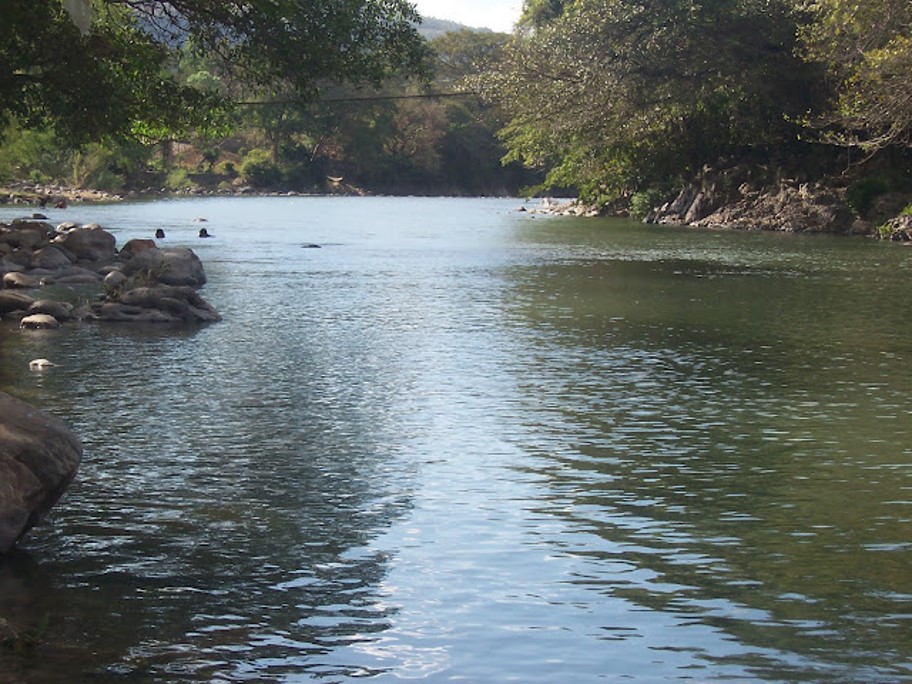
54 275
68 274
741 198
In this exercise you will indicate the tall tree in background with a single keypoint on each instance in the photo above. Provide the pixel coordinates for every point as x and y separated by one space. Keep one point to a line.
868 47
115 74
622 95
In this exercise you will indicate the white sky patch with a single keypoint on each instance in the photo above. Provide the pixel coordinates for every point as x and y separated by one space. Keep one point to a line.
499 15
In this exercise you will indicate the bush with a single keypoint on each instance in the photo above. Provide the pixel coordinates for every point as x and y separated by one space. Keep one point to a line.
641 203
860 196
258 169
178 179
36 155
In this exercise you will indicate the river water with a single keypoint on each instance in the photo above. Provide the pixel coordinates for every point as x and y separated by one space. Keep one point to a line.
462 443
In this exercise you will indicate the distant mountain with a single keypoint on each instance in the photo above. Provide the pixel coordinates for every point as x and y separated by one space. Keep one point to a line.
432 27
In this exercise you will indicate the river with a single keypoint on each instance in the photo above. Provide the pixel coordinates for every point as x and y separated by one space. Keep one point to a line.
462 443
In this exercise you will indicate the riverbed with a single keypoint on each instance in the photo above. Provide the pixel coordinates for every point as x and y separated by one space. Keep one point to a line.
443 440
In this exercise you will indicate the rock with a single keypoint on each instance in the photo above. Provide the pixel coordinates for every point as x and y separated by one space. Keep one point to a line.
115 312
20 280
91 243
26 236
135 246
66 227
62 311
14 301
7 266
183 303
76 275
114 280
177 267
51 257
898 229
39 322
39 457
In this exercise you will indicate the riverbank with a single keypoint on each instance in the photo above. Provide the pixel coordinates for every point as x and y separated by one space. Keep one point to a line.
52 195
746 197
737 198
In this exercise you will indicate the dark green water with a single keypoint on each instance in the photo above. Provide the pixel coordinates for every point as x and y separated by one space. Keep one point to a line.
461 443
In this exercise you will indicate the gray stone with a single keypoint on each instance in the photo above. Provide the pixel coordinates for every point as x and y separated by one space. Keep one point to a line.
39 457
62 311
90 244
51 257
182 303
39 321
114 280
177 267
14 301
20 280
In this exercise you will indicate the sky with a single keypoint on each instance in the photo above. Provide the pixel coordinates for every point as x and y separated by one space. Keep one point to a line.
499 15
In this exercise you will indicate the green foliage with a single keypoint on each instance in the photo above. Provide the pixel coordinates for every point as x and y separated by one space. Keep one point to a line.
862 194
108 165
260 170
868 49
120 77
26 153
621 96
643 202
178 179
537 13
394 139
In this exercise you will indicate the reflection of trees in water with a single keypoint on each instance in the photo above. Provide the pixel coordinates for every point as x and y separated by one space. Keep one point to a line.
715 473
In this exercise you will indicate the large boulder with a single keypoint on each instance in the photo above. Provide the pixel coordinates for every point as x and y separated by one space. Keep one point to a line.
135 246
14 301
39 456
39 321
26 235
90 244
62 311
182 304
51 258
177 267
20 280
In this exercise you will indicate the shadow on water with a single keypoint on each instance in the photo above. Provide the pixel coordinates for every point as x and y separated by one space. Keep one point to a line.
735 444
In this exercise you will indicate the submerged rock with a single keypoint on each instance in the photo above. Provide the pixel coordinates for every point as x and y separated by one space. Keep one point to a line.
156 304
39 457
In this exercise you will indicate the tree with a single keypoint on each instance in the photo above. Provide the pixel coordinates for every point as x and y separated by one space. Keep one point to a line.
537 13
120 75
868 48
622 95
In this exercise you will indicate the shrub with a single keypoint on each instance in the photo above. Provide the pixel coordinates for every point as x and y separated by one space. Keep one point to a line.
178 179
643 202
258 169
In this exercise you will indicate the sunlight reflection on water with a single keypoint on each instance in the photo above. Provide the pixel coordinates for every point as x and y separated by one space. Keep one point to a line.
461 443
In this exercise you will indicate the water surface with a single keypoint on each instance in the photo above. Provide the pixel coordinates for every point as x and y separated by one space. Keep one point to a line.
461 443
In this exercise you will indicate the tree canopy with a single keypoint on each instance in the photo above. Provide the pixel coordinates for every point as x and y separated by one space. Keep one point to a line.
619 94
868 48
119 75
